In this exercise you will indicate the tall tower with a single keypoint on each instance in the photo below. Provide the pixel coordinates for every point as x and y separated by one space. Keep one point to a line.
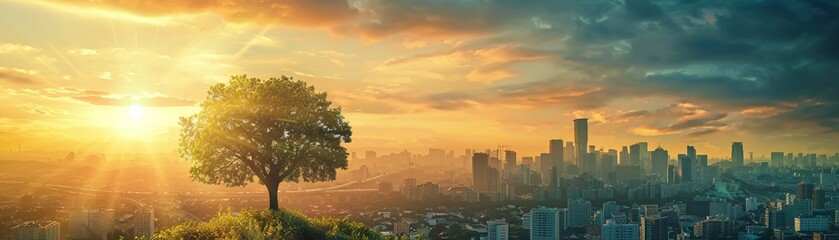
691 152
556 153
737 153
480 167
581 139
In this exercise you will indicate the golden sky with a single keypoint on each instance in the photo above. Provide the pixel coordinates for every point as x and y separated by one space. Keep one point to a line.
113 75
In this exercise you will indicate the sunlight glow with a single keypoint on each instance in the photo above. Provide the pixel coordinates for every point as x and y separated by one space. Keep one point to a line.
136 111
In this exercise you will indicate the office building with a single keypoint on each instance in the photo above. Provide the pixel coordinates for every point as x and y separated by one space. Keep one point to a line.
615 231
509 160
581 139
579 213
654 228
805 191
544 224
737 153
659 163
480 169
686 168
777 159
36 230
556 152
497 230
819 198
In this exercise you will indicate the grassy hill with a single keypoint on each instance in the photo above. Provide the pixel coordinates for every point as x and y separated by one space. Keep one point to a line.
265 224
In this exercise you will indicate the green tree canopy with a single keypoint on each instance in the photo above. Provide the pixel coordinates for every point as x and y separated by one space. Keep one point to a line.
272 130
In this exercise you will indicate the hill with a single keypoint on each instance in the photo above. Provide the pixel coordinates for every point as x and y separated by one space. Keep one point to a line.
266 224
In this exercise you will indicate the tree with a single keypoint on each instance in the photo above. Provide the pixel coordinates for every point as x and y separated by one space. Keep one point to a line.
272 130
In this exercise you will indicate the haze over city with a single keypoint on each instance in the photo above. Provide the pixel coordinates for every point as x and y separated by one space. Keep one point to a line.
401 119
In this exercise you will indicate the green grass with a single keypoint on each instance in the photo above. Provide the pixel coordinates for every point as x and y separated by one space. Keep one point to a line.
266 224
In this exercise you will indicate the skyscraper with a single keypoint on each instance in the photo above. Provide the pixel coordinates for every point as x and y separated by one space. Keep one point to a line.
556 153
480 167
686 168
654 228
691 152
635 154
737 153
581 139
777 159
659 162
570 155
544 223
805 191
497 230
509 160
624 159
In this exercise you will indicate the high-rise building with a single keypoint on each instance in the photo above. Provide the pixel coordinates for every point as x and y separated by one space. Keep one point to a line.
401 228
556 151
691 152
43 230
818 198
702 166
686 168
545 167
635 155
777 159
805 191
624 159
581 139
659 162
614 231
480 169
570 154
607 165
811 224
654 228
644 151
590 164
497 230
144 223
737 153
509 160
91 224
579 213
609 209
544 224
774 219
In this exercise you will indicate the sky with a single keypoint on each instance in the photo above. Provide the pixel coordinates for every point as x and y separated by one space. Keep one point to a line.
114 76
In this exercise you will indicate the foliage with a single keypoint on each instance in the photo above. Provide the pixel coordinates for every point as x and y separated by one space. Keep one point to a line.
270 224
273 130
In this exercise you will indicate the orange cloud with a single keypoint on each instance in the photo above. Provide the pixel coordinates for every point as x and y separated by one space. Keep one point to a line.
102 98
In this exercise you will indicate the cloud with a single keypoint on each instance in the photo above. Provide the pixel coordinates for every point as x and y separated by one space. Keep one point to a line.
17 76
103 98
12 48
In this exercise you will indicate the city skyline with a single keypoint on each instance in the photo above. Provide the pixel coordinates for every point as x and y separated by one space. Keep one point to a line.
517 80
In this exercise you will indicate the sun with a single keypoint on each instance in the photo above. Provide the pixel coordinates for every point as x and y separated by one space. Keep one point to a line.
136 111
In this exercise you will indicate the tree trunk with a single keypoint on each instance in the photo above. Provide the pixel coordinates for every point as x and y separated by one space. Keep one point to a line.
273 201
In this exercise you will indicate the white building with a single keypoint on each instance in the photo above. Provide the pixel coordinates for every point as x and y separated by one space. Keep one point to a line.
144 223
811 224
579 213
46 230
91 224
615 231
497 230
544 224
